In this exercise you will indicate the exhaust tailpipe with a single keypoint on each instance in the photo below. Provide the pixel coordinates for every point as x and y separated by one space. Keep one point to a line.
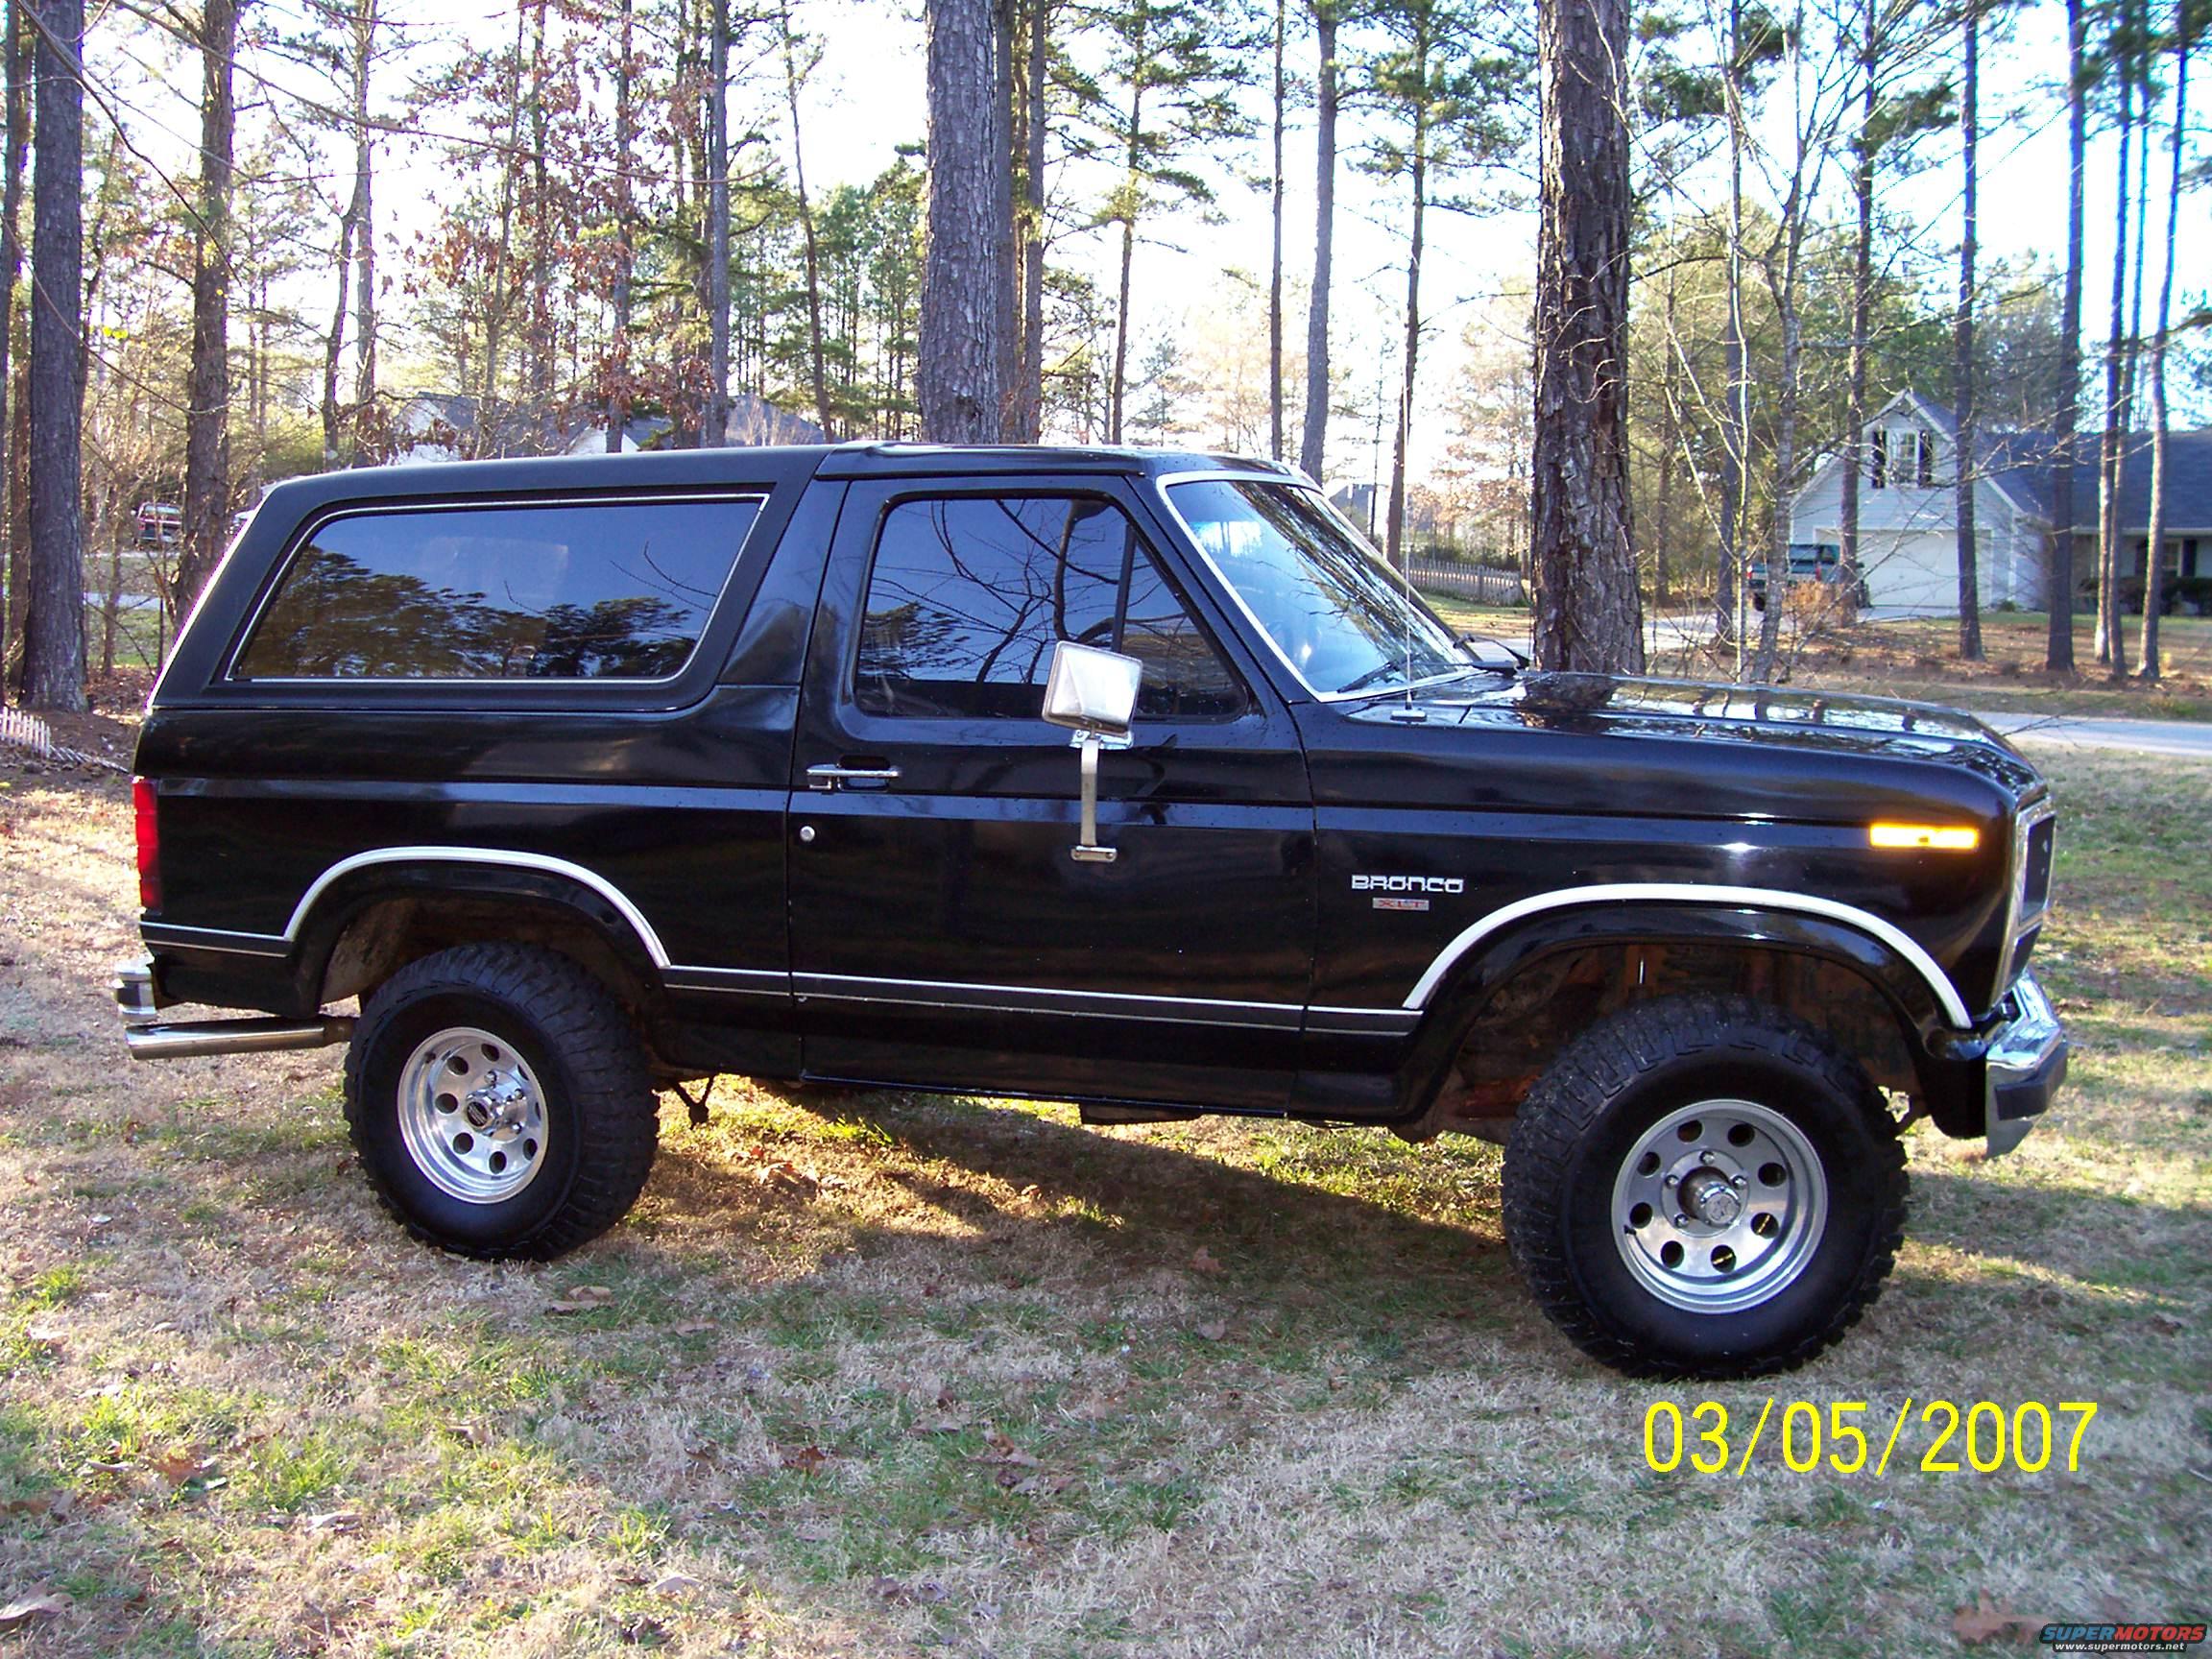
189 1039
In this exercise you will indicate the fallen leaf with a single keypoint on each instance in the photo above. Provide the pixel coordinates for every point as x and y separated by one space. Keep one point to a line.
470 1433
37 1506
336 1520
2166 1325
807 1459
951 1424
1986 1621
1203 1261
179 1467
923 1590
997 1449
40 1603
584 1299
1213 1329
676 1584
694 1327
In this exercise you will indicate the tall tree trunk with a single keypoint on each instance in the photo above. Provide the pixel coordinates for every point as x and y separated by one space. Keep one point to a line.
1737 423
963 310
1029 404
1275 268
1587 616
2058 649
54 624
1005 30
1966 461
714 417
1118 389
17 143
364 225
497 296
1787 397
2154 572
1862 301
208 414
1669 436
540 334
2109 527
1314 439
617 414
812 244
2139 16
1410 358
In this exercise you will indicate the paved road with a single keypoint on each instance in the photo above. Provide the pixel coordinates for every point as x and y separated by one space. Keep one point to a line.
2191 740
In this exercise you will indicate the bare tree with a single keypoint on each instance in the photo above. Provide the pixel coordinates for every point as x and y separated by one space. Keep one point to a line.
18 141
625 223
1967 460
1587 615
207 412
2154 572
2110 638
54 622
1275 268
813 243
965 307
2059 648
1314 439
714 416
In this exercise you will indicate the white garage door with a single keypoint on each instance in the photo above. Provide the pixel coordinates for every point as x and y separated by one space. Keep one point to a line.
1918 569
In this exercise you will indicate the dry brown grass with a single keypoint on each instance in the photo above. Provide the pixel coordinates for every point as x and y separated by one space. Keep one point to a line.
883 1375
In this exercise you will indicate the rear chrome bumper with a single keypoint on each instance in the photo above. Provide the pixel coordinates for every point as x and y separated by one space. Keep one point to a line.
2026 1063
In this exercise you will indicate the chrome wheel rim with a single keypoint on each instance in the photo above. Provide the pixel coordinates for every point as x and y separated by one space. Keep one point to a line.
472 1115
1719 1206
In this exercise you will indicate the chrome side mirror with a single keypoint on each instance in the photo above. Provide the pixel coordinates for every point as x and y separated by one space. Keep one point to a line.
1093 692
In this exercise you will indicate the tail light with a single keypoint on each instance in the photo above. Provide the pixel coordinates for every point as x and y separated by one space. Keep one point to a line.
149 824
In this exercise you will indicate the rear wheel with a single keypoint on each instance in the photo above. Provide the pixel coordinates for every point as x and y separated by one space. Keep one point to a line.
499 1102
1704 1187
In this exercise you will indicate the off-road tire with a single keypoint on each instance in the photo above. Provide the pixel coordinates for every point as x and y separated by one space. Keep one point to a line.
601 1116
1617 1081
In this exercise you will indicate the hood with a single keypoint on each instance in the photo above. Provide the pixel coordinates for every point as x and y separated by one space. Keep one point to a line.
1699 750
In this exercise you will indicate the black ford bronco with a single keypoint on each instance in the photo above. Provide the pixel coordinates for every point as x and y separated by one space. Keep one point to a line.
1123 778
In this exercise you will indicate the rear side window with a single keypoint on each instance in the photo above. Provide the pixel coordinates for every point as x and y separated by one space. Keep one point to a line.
578 590
969 595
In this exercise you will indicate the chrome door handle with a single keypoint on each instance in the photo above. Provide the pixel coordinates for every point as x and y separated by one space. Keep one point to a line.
828 774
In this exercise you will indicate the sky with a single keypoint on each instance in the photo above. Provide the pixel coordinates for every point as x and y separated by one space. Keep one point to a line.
867 97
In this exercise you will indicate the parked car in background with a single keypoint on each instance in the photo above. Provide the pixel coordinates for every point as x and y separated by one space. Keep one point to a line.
1820 562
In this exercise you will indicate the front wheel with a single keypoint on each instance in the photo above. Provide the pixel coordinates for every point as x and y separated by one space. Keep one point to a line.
499 1102
1704 1187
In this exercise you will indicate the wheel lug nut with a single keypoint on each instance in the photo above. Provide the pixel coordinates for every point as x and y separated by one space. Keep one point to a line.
1673 1180
1681 1221
1705 1157
1740 1183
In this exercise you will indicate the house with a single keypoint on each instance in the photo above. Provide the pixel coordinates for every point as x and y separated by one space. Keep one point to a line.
1908 509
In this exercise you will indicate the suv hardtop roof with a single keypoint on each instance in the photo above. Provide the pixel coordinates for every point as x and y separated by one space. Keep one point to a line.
766 466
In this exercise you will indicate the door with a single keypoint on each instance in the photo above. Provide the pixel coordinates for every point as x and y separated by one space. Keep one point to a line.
942 931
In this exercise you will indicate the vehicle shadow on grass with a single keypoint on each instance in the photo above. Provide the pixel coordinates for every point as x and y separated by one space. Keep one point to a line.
1111 1209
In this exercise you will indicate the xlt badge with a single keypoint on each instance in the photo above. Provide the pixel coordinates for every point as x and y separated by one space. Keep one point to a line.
1394 885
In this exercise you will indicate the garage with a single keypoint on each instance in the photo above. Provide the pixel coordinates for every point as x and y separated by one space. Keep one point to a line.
1917 569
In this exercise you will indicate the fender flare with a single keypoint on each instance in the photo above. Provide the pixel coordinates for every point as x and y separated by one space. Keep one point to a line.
1757 916
351 885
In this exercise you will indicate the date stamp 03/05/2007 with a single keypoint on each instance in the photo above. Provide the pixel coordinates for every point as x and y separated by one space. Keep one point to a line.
1850 1437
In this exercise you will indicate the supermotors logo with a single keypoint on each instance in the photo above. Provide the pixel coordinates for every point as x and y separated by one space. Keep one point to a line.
2121 1638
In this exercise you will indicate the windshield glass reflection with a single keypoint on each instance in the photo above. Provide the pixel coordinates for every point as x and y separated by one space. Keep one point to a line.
1335 611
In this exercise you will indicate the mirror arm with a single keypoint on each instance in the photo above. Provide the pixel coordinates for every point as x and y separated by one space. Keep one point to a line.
1087 850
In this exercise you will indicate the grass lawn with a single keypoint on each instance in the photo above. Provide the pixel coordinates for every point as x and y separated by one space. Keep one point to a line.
1919 659
894 1376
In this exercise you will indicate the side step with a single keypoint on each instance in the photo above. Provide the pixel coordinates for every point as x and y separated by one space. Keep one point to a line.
186 1039
1101 1116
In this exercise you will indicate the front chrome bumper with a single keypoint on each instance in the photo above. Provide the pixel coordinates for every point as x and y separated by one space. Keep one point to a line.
2026 1063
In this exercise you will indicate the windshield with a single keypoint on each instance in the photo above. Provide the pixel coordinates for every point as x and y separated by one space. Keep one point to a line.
1331 609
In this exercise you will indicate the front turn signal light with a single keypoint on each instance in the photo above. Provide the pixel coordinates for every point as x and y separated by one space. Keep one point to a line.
1925 837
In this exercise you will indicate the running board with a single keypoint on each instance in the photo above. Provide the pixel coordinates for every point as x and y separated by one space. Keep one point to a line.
189 1039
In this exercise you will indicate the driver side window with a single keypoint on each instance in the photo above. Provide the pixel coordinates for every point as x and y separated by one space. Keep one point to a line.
968 594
